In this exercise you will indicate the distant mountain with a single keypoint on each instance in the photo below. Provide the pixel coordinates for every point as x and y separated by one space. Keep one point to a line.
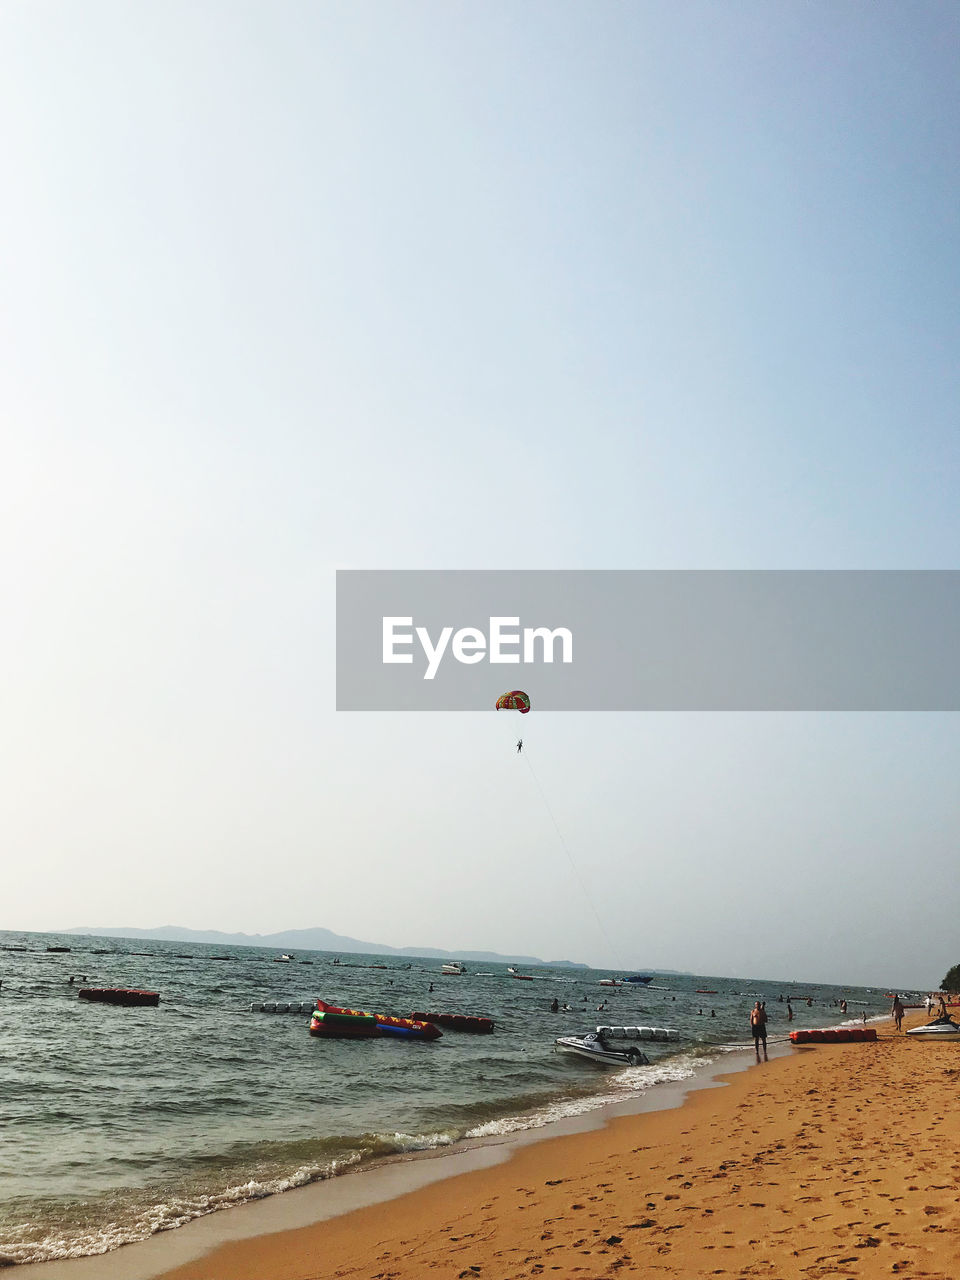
311 940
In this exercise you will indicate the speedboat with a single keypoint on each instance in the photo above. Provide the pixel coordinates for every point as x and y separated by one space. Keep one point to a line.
453 969
595 1049
642 979
940 1029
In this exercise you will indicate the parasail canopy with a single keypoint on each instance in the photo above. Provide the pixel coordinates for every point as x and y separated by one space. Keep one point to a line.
515 700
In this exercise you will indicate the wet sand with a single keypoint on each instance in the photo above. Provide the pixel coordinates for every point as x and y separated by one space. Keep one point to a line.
837 1160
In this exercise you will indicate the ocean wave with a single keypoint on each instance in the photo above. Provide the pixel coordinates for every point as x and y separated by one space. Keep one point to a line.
400 1142
21 1242
25 1242
620 1086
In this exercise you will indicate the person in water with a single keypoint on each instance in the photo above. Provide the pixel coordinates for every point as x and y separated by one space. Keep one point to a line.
555 1006
758 1028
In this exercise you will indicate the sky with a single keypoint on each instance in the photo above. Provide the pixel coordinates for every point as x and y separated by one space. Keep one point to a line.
289 288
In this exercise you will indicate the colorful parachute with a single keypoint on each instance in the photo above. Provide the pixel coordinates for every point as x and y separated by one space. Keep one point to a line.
515 700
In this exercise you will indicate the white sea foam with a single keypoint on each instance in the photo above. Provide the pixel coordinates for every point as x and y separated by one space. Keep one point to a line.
165 1215
416 1141
621 1086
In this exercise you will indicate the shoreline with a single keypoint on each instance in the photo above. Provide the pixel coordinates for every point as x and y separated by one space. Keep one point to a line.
809 1167
282 1236
377 1183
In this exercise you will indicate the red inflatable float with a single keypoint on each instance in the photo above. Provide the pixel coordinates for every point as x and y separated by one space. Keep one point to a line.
119 995
457 1021
333 1020
834 1035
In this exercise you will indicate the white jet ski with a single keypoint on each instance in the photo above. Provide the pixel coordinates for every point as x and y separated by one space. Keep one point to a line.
595 1049
612 1045
940 1029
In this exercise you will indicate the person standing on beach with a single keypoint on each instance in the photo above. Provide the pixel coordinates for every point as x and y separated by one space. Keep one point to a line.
897 1012
758 1028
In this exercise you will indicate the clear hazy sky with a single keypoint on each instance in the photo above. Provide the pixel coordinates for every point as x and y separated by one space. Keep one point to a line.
292 286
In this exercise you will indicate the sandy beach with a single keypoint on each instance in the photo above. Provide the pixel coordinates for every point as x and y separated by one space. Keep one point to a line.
831 1161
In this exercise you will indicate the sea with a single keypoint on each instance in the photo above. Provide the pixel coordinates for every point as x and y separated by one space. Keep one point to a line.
117 1123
